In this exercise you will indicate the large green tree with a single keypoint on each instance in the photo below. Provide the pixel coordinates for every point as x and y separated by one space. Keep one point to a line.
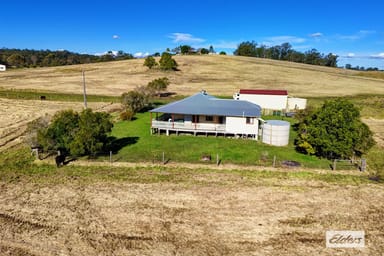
76 134
91 135
334 131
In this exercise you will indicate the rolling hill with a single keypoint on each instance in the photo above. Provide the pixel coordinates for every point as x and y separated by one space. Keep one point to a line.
219 75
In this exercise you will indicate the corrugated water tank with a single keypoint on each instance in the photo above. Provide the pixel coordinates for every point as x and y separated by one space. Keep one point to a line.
276 132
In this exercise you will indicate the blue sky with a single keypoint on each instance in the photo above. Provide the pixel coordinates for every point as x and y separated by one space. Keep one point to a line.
354 30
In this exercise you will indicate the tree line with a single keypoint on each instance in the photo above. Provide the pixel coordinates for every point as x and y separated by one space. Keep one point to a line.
45 58
286 53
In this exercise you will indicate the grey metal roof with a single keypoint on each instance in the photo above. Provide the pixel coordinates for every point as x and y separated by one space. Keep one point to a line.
205 104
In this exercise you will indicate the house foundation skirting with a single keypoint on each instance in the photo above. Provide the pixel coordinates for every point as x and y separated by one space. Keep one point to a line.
200 132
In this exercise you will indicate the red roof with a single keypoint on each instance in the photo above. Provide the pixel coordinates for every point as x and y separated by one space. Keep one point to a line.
263 92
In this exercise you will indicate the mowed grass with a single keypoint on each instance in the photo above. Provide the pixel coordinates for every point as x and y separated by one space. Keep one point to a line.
141 146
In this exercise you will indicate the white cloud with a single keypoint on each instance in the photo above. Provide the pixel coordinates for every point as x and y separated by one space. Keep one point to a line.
226 45
350 55
115 36
141 54
114 53
359 35
378 56
186 38
316 35
276 40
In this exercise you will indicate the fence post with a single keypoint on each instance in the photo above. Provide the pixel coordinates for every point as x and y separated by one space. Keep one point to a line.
217 159
163 157
334 165
110 157
363 164
274 161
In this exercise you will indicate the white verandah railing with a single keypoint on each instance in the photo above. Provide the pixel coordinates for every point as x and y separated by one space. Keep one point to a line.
188 126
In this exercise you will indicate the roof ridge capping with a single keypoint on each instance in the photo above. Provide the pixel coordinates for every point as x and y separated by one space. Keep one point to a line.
263 91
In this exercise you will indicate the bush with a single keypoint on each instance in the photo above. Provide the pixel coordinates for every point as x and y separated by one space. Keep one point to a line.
150 62
127 115
167 63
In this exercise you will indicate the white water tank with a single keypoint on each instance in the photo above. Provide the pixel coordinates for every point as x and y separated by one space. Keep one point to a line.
276 132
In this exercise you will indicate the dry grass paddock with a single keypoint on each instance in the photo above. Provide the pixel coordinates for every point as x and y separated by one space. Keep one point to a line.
219 75
208 214
16 114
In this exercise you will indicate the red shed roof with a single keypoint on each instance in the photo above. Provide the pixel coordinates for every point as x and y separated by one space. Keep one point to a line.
263 92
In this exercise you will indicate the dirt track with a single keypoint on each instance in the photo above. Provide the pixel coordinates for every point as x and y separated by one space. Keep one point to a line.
213 214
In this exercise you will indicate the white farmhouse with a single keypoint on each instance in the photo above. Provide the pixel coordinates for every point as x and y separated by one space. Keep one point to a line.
3 67
205 114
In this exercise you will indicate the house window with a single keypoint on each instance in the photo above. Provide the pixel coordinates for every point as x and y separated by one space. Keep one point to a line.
249 120
209 118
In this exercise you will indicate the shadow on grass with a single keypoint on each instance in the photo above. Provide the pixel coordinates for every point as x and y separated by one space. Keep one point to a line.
115 145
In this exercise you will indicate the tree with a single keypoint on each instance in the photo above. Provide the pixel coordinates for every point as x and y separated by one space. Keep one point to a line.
331 60
211 50
16 60
60 132
166 62
158 85
91 136
134 100
185 49
77 134
222 53
246 49
204 51
150 62
334 131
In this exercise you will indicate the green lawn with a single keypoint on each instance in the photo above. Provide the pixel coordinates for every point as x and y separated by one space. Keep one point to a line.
138 145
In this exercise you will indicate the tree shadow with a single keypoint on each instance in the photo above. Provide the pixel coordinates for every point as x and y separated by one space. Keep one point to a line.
116 144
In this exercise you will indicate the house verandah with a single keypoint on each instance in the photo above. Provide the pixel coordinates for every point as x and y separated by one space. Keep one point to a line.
208 115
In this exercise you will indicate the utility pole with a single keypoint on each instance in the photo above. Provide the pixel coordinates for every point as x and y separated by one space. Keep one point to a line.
84 90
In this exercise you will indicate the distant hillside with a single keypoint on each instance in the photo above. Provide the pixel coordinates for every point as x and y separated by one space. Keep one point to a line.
45 58
219 75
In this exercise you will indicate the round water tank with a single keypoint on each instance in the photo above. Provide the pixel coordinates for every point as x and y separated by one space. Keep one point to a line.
276 132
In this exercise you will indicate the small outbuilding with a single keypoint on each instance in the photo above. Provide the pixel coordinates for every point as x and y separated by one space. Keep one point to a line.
3 67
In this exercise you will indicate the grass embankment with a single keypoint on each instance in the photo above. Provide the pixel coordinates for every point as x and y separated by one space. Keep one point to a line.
19 166
53 96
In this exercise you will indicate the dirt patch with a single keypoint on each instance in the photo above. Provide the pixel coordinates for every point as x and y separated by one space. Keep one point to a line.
186 219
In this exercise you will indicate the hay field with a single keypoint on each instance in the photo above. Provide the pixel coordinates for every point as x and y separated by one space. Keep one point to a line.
207 214
16 114
219 75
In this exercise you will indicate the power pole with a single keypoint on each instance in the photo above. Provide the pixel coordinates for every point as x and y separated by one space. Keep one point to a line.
84 90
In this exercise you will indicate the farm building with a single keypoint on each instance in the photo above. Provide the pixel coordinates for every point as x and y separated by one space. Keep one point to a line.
271 101
205 114
2 67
